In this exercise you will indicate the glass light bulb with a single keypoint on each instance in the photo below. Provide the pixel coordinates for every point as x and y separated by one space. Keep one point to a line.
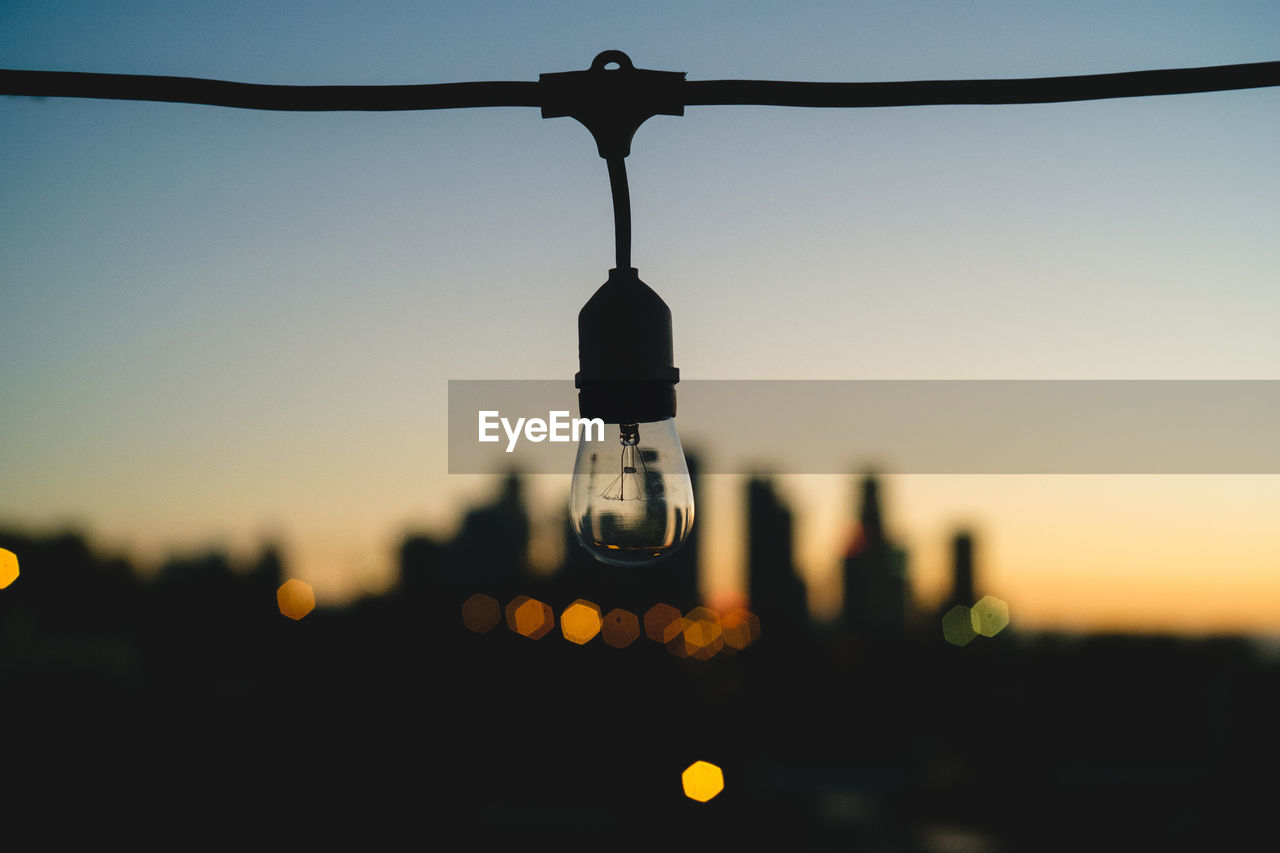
631 502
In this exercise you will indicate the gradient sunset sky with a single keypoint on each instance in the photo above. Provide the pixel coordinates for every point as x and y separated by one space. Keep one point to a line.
219 326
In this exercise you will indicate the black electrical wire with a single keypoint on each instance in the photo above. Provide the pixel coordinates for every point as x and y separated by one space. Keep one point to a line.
621 211
1132 84
257 96
1032 90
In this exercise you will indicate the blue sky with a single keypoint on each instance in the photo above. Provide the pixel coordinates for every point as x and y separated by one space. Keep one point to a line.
219 325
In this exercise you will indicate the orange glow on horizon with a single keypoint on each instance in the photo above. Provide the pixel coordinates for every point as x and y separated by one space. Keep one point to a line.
727 600
1178 555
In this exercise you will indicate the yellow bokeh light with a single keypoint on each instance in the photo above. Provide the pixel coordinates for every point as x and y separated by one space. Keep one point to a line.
673 637
8 567
580 621
296 598
676 643
957 626
621 628
702 780
529 617
990 616
703 637
481 612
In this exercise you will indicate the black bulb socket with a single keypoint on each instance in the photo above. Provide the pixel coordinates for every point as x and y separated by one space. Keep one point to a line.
625 353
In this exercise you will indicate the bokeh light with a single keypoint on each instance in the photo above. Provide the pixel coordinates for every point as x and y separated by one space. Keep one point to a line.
296 598
621 628
957 626
580 621
530 617
990 616
8 567
740 628
675 640
702 780
657 620
480 613
702 634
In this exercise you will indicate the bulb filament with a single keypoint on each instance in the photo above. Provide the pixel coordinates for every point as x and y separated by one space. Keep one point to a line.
632 484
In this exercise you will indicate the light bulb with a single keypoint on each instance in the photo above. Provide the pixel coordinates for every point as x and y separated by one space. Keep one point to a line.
631 501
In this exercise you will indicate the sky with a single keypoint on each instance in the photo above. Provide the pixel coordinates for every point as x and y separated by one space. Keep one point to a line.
219 327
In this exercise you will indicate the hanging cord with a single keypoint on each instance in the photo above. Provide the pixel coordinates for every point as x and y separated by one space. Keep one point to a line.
621 211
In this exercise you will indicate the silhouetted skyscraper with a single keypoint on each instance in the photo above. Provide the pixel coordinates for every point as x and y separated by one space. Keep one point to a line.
776 591
962 583
424 568
680 573
876 587
491 549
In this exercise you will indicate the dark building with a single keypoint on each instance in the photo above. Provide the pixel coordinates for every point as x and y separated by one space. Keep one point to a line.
490 553
424 568
962 582
876 587
774 587
679 575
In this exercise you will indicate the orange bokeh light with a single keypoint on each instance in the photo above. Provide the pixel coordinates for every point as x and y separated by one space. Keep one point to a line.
8 567
703 637
480 613
656 621
621 628
295 598
740 628
580 621
702 780
529 617
675 639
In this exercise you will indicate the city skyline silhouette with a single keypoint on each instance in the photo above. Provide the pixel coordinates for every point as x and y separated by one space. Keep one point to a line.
185 704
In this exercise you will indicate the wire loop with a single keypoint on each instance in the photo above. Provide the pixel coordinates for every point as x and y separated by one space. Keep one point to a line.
615 56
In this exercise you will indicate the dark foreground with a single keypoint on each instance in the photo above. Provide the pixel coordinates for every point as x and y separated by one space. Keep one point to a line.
186 713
